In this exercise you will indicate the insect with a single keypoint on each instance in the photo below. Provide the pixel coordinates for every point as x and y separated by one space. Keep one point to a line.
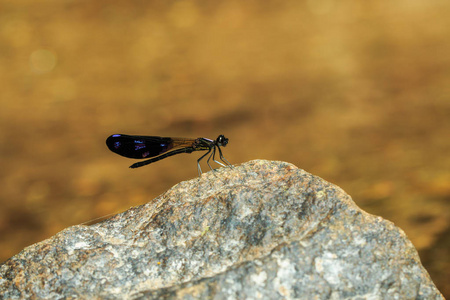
156 147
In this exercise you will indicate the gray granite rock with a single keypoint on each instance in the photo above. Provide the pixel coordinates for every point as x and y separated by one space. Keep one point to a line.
262 230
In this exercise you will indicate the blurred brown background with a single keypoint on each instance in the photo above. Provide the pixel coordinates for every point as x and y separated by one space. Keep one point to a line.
356 92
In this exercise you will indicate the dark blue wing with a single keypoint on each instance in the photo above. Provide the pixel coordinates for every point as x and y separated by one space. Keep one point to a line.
134 146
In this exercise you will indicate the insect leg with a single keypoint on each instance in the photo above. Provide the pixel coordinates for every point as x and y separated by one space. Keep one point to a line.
212 155
223 158
214 159
198 162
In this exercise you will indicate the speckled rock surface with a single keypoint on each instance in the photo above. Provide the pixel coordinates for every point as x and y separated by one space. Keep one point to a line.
262 230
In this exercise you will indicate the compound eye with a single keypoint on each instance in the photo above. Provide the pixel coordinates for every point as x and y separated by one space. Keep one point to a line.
222 140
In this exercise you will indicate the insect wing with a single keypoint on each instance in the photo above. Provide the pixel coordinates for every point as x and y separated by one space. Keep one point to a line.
133 146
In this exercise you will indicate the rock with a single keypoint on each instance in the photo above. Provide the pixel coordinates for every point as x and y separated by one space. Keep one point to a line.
262 230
